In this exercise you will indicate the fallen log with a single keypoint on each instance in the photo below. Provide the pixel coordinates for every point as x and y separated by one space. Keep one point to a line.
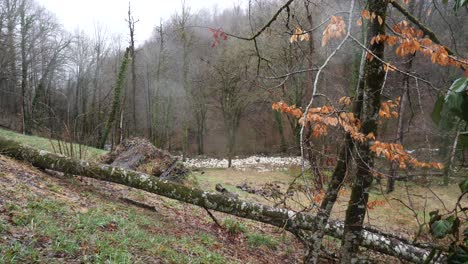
283 218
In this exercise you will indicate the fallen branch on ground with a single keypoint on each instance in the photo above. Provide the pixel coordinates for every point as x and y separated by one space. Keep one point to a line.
283 218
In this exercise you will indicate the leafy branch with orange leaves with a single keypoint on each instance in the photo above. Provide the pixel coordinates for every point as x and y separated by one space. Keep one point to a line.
322 118
411 40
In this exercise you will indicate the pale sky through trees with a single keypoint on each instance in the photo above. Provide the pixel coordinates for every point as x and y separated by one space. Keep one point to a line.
111 14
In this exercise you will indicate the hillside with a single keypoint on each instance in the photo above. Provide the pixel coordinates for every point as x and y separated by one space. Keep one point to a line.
47 218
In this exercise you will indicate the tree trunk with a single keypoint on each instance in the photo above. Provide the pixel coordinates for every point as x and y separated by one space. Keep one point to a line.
399 135
25 24
313 160
338 176
231 142
374 79
449 165
279 125
200 119
149 108
116 105
283 218
401 110
131 26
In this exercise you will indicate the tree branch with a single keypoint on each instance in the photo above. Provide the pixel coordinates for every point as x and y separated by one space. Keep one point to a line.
420 25
267 25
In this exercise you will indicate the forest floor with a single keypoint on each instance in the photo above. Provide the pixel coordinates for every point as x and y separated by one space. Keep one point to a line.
48 217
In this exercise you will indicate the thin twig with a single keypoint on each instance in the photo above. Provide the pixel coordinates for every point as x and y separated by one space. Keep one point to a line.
314 92
213 218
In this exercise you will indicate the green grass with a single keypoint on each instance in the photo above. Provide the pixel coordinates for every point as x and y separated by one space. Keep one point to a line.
257 240
50 145
233 226
109 233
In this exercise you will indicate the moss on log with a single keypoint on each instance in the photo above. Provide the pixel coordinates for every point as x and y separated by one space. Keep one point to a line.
283 218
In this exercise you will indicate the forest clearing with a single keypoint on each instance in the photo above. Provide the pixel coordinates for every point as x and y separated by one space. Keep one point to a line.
267 131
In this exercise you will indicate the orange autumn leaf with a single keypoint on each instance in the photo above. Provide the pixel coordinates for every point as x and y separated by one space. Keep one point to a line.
336 29
365 14
379 18
359 22
388 67
319 130
345 100
396 153
411 41
370 136
374 204
299 35
318 198
388 108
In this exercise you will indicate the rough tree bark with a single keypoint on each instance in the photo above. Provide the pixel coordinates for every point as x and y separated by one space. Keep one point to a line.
283 218
374 80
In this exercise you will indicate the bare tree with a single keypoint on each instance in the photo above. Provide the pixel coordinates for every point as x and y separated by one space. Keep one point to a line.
131 27
234 82
182 21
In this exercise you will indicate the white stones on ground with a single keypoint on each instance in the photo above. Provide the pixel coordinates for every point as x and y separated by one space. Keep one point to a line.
259 163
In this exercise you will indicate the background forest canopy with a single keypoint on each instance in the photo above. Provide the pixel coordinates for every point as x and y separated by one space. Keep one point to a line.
193 81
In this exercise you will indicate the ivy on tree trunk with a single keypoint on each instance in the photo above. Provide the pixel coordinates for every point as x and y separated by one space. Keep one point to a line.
116 101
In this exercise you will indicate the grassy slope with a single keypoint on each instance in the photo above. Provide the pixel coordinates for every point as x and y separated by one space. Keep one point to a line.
79 220
50 145
76 220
